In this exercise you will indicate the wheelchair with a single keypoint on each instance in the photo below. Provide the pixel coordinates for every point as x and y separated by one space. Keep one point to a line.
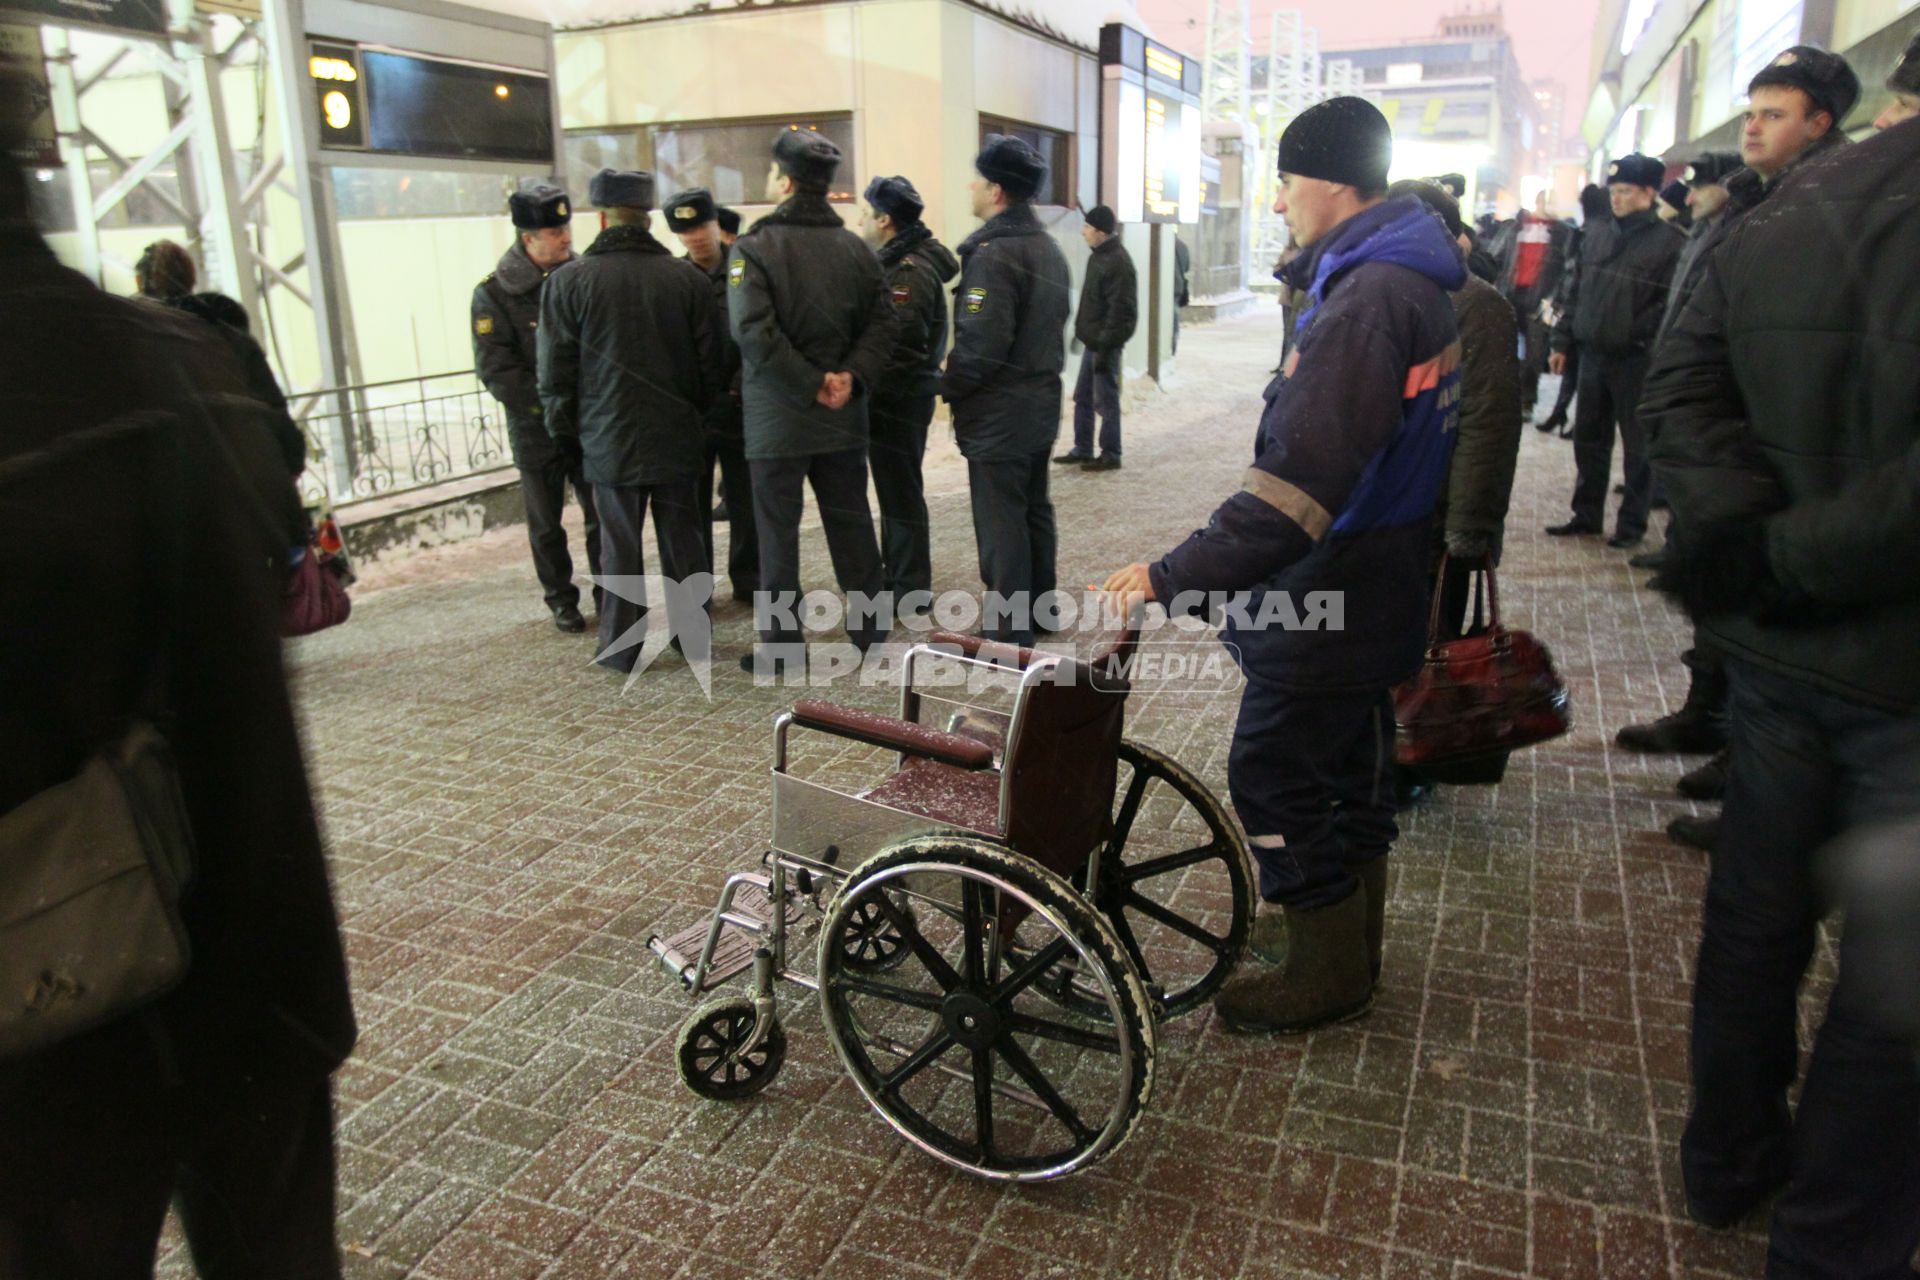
996 927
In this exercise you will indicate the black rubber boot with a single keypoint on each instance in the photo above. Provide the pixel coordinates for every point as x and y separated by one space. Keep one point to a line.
1708 782
1323 980
1373 879
1701 831
1694 730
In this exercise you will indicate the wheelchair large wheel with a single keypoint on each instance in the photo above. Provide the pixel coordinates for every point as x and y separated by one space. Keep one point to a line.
1173 881
956 1047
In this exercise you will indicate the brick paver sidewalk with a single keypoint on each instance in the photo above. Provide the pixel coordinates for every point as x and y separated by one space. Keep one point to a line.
507 827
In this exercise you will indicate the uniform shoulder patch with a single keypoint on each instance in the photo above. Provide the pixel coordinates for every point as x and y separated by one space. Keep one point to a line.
902 294
976 299
736 271
483 325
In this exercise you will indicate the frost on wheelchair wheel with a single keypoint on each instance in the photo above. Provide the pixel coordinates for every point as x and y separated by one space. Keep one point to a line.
718 1057
1173 881
956 1045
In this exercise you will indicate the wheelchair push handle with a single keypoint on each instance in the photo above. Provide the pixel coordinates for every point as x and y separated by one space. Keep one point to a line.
1116 651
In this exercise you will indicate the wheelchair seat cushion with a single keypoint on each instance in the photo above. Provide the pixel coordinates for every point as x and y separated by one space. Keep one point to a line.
963 798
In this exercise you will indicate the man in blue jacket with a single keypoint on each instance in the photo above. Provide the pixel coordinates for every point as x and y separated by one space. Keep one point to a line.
1333 521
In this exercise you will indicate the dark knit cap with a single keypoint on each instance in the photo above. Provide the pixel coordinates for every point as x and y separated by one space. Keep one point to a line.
691 208
1641 171
806 157
1824 77
1905 76
1340 140
1711 168
729 220
1010 162
539 206
1101 219
896 198
612 189
1675 194
1454 184
1436 197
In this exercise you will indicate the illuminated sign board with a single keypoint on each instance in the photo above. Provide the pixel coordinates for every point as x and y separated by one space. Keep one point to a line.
1149 129
389 102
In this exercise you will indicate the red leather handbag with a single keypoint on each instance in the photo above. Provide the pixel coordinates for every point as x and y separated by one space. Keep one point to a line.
316 598
1484 694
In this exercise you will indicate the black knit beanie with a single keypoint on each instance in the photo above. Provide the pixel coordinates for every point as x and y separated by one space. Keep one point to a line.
1340 140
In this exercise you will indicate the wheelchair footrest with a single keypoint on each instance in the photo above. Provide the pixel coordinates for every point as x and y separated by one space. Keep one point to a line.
732 953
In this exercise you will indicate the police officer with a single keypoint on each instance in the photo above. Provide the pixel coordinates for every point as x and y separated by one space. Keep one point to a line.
1109 313
810 310
628 365
693 217
1613 312
917 268
729 220
506 314
1003 381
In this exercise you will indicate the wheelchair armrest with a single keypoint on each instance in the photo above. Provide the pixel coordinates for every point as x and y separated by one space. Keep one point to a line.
998 652
892 733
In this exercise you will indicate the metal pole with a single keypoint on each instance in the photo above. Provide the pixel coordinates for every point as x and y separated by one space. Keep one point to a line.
66 118
208 182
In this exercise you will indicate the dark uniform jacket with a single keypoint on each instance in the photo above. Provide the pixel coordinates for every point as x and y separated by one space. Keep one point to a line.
1009 339
805 299
629 359
917 268
1109 300
1349 461
723 414
1480 477
1793 406
1620 288
88 604
506 325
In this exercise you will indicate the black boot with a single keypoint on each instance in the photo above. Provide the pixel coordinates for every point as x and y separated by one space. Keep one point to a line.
1702 831
1708 782
1694 730
1373 879
1323 979
1554 421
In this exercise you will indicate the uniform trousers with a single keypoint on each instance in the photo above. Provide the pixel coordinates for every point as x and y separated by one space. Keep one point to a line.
1013 531
676 534
743 540
895 451
543 484
1097 392
1310 774
839 482
1610 397
1804 765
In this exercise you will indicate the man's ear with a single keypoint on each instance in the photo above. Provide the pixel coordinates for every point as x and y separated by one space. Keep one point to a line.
1821 130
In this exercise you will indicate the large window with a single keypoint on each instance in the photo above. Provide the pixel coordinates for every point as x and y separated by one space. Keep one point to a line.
730 158
396 193
1054 147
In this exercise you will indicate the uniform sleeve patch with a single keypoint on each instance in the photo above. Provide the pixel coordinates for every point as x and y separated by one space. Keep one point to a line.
976 299
736 272
483 325
902 294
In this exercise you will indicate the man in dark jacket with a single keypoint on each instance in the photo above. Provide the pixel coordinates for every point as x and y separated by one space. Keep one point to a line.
628 366
143 529
1786 436
1109 313
506 323
695 219
1349 460
1794 104
917 268
1613 312
1533 259
1003 381
814 320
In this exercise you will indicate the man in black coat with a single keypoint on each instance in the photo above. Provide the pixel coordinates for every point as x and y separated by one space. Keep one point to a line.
814 321
506 322
1533 256
1786 436
1613 313
628 366
1003 381
695 219
144 528
917 268
1109 313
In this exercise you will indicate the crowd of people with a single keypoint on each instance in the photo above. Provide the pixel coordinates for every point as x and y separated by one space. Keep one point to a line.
1777 417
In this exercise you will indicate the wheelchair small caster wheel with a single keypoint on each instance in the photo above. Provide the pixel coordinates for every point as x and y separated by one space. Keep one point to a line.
711 1058
872 943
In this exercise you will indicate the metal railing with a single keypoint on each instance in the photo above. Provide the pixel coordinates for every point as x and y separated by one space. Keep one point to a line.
379 438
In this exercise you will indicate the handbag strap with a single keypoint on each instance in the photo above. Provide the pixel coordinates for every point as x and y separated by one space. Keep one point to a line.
1440 594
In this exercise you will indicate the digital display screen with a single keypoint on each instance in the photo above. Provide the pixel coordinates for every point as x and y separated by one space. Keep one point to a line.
426 107
1150 130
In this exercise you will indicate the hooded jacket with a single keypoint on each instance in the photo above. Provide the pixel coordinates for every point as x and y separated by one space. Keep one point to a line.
629 359
805 299
917 268
1349 460
1009 339
1792 408
229 321
506 351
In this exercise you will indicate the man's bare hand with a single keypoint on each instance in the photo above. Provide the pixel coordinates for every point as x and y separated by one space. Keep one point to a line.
1126 588
1557 363
835 390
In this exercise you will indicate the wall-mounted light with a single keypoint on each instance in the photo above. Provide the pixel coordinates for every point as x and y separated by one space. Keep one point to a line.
500 91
